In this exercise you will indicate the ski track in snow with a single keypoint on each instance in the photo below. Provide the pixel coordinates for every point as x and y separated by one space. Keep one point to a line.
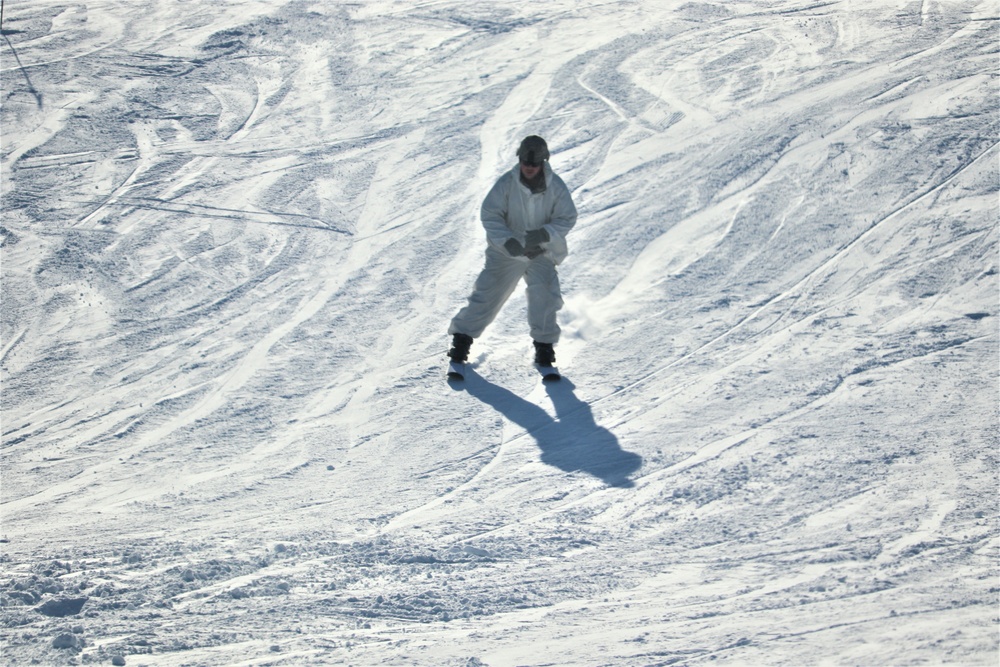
233 236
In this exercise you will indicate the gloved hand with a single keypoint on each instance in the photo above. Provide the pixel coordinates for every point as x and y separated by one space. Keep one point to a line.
536 237
533 252
514 249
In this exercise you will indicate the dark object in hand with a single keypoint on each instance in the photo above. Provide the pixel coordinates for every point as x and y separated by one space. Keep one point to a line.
514 248
536 237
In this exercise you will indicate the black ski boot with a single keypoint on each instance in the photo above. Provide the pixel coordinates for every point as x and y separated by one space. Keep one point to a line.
545 362
460 344
544 354
459 353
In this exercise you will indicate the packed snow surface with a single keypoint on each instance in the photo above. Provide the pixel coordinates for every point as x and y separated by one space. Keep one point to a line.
234 234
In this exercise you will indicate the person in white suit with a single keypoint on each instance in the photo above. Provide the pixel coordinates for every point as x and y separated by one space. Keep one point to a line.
527 215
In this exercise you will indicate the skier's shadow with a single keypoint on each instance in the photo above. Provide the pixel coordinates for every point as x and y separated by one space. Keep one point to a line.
572 441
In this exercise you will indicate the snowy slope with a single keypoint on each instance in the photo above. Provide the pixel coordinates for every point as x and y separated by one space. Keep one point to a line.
234 234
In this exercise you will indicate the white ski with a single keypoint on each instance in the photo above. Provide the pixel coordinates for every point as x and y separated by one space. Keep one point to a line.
548 373
456 370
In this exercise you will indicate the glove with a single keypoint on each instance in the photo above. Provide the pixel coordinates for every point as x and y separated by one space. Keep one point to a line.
514 249
536 237
533 252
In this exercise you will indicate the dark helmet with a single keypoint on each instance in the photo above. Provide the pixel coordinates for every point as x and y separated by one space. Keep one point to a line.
533 149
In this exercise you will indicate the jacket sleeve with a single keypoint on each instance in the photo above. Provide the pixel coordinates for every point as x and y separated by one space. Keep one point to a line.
493 214
563 209
561 222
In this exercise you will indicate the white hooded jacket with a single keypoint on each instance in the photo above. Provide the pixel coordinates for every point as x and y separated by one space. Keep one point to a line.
511 209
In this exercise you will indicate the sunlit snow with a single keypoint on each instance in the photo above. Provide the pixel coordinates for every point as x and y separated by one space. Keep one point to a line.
234 234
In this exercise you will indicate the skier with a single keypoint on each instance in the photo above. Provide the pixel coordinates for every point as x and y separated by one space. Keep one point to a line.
527 215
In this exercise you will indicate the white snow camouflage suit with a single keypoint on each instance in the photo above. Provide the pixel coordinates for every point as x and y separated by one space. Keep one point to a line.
509 210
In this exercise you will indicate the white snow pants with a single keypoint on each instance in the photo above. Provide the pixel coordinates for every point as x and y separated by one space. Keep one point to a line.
497 282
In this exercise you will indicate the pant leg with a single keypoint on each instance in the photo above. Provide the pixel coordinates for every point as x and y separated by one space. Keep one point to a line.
544 300
495 284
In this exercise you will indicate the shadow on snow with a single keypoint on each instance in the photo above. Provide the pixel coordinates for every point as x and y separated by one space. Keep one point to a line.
572 441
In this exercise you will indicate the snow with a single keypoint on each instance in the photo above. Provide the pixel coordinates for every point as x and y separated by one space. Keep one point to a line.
234 234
